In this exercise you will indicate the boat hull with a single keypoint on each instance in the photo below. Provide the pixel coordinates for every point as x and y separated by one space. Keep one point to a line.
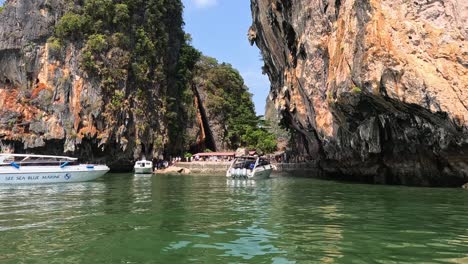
262 172
146 170
51 174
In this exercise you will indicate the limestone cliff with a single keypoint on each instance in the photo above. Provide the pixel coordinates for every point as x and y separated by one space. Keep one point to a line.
376 90
224 107
109 106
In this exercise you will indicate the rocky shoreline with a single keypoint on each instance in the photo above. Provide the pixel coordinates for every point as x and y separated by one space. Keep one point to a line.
201 167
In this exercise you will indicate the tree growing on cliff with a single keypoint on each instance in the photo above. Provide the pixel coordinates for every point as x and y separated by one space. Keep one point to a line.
130 48
181 108
229 103
259 139
136 52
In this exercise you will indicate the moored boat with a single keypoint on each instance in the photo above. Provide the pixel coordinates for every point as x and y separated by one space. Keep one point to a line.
249 167
143 167
30 168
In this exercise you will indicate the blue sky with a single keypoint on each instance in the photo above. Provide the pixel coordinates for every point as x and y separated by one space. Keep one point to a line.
219 30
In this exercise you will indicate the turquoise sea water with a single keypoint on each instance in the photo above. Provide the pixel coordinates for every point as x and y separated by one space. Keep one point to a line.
123 218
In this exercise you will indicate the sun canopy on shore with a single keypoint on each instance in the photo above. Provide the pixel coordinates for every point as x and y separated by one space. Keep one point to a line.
212 154
221 154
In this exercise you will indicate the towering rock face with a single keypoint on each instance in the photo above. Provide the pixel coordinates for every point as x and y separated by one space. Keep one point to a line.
51 103
377 90
25 73
224 107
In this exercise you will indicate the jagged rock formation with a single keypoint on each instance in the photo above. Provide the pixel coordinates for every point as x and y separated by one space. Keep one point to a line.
224 107
25 25
376 90
50 104
111 81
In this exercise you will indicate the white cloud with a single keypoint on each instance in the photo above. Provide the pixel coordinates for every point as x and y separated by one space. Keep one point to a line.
205 3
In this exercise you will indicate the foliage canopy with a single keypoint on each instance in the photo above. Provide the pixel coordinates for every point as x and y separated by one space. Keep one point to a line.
147 66
230 102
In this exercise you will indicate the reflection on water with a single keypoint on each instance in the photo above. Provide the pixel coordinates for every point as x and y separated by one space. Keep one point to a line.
35 219
125 218
141 193
240 183
30 206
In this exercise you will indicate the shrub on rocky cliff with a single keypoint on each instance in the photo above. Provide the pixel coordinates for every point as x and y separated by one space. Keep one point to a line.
71 26
229 107
130 49
97 43
55 46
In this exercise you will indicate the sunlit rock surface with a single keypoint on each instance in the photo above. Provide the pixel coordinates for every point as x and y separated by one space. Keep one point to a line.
377 90
49 105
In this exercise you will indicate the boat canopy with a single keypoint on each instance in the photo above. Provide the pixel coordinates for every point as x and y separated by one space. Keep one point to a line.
6 158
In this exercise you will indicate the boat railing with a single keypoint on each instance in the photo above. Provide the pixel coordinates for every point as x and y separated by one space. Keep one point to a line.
39 163
18 160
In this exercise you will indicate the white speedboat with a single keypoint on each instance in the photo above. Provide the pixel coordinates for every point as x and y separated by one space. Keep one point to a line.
249 167
29 168
143 167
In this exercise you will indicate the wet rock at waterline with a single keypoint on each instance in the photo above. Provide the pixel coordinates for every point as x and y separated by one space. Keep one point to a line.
174 170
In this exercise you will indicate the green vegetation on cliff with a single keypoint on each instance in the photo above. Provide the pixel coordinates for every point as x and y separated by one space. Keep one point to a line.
182 112
139 55
140 31
230 104
135 50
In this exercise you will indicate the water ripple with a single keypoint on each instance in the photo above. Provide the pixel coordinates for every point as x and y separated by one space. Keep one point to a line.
178 219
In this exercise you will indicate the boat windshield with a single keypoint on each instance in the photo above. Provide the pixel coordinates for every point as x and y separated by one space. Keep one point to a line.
244 163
